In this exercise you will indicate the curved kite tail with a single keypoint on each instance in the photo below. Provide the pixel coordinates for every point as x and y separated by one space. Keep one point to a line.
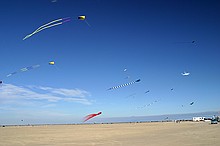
66 19
86 118
91 116
27 36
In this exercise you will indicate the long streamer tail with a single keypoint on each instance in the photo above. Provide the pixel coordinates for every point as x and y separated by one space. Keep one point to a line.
116 87
48 25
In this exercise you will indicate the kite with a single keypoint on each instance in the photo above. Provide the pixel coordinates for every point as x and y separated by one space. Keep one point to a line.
124 85
127 76
188 42
48 25
147 91
91 116
83 18
51 63
191 103
55 23
24 69
185 73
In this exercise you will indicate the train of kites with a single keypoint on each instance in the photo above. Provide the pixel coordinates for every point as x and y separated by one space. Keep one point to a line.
62 21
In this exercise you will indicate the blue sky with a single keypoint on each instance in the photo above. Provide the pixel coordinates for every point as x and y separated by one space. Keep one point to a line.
151 39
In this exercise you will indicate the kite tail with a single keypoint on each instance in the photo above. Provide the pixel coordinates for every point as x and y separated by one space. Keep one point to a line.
124 84
47 25
66 19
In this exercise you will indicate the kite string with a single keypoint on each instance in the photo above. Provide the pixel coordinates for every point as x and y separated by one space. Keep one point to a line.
87 23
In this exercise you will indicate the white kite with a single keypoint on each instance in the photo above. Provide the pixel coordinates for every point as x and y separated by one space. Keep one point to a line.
185 73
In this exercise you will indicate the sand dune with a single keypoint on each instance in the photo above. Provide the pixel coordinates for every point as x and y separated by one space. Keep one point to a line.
124 134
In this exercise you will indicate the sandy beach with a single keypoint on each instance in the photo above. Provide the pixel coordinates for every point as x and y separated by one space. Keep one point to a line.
123 134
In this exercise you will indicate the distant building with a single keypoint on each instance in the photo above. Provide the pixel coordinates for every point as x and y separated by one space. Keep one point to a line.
197 119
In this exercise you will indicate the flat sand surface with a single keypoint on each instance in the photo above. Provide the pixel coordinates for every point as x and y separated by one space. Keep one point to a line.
124 134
